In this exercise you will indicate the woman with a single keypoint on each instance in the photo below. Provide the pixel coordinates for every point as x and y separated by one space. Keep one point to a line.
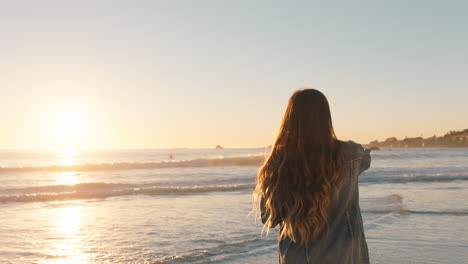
309 186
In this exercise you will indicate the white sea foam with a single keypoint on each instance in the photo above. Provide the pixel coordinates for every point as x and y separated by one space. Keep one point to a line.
372 177
254 160
104 190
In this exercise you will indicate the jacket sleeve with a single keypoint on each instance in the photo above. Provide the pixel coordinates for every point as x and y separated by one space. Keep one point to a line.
365 161
358 156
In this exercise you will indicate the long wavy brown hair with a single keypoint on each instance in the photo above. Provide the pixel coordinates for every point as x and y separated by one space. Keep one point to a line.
297 181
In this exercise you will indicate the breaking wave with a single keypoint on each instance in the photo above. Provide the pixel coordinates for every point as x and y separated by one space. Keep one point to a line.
104 190
404 178
202 162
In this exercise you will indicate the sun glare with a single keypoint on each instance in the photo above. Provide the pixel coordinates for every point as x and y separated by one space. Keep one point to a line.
67 178
67 248
67 128
67 152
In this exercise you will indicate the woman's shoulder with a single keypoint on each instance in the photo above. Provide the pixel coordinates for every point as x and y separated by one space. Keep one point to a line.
350 145
352 150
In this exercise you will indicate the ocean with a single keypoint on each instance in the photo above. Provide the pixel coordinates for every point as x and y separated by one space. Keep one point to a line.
144 206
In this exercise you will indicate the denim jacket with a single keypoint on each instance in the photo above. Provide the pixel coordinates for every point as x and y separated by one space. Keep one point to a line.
342 240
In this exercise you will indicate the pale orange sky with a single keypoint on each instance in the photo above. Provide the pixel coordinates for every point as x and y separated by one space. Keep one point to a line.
94 75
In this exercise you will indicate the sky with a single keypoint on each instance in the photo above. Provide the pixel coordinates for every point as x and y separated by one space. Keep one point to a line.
160 74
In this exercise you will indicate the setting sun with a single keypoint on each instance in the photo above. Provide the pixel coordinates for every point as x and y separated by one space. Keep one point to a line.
67 128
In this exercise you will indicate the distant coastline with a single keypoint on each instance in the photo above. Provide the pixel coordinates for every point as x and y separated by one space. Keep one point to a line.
452 139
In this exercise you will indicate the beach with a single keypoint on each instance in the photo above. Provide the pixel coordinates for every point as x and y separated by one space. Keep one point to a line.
141 206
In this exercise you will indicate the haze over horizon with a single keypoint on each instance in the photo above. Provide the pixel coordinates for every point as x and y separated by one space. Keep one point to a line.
148 74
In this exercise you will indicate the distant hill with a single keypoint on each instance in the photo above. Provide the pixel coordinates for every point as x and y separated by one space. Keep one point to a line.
453 139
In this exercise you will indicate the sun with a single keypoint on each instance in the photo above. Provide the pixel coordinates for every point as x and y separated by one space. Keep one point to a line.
67 129
67 152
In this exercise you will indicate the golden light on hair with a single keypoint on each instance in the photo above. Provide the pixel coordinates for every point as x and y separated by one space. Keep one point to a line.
297 180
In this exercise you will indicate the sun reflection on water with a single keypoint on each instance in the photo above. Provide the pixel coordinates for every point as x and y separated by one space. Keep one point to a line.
67 178
67 156
68 220
67 246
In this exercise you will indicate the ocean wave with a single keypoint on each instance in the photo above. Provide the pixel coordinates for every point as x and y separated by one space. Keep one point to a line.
405 211
404 178
84 191
436 212
203 162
